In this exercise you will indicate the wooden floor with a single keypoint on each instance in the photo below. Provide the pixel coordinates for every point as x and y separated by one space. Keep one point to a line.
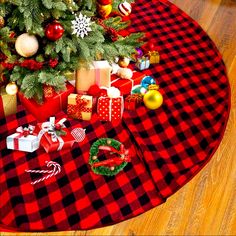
206 205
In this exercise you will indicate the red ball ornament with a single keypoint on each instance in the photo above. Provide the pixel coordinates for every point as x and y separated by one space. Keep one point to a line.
104 2
54 31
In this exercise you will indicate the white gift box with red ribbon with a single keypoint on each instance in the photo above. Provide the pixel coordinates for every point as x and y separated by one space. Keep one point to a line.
23 140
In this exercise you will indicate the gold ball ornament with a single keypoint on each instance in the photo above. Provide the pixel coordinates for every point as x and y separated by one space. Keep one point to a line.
124 62
26 45
153 99
11 88
104 10
2 22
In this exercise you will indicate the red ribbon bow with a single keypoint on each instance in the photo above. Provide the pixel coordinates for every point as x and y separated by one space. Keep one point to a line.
123 153
22 132
81 106
25 131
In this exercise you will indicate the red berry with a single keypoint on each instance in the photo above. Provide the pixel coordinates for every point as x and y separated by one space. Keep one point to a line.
57 127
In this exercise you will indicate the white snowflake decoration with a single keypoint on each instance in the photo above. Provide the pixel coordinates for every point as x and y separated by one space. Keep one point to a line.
81 25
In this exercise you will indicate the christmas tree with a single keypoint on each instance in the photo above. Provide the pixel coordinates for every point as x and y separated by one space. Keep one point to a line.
41 40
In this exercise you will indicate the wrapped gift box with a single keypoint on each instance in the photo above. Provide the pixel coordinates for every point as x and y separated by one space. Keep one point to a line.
132 101
8 103
125 85
110 109
80 106
50 106
154 57
143 63
99 73
50 140
23 141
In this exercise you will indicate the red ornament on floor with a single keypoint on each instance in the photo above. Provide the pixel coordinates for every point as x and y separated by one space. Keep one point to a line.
54 31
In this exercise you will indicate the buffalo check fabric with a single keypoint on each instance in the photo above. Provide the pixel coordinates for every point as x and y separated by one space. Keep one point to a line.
168 146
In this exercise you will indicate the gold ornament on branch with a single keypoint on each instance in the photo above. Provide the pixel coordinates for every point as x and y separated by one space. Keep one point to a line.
11 88
124 62
104 10
2 22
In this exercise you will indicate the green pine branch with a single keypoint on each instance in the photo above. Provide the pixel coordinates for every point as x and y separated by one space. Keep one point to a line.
71 51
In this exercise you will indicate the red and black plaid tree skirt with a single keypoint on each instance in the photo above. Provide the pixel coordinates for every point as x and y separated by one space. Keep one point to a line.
171 144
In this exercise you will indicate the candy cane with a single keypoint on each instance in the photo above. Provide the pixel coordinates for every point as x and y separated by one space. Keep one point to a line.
56 170
39 171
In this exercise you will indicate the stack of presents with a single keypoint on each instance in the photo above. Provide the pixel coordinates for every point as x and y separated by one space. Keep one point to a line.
97 90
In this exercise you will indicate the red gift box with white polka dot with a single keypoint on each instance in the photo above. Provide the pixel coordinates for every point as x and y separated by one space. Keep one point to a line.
110 109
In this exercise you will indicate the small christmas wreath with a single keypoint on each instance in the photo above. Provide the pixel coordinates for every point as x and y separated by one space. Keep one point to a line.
113 165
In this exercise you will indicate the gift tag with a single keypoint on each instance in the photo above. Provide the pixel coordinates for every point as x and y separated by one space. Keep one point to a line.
78 134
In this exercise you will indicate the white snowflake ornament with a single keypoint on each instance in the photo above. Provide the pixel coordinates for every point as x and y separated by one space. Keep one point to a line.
81 25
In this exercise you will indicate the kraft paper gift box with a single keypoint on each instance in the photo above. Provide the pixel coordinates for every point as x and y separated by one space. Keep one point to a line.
99 73
8 103
23 140
80 106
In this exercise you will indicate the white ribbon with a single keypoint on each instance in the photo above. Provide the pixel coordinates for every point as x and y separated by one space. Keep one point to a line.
111 104
110 109
49 127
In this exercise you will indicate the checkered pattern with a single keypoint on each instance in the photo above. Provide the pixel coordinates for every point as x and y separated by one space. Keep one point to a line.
169 145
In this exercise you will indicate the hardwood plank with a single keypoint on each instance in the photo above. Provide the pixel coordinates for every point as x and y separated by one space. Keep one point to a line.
206 205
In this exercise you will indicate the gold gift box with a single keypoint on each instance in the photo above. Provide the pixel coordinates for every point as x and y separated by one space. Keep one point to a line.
8 103
154 57
80 106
